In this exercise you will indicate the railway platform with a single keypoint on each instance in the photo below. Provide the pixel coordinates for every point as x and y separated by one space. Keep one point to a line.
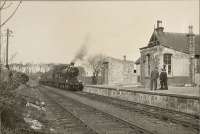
181 99
174 90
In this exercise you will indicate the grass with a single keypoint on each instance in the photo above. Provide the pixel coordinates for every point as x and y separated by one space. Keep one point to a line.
13 109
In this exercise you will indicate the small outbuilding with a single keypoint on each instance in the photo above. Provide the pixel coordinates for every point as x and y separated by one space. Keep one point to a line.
117 71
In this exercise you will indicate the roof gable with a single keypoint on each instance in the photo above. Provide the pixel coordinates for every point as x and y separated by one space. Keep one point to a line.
137 62
153 40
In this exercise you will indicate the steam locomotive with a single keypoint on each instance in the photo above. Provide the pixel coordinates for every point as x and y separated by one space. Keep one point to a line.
63 76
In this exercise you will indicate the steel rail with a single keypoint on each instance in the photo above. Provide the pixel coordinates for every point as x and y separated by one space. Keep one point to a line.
132 126
145 110
64 109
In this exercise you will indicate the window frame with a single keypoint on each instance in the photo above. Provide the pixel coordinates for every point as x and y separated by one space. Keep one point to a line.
147 65
197 64
167 62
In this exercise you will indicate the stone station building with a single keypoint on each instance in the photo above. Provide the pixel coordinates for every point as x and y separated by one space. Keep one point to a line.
178 52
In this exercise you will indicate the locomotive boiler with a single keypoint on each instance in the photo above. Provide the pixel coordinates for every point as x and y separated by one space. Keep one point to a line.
63 76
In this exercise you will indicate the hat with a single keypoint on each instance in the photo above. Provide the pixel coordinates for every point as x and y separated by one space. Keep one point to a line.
163 69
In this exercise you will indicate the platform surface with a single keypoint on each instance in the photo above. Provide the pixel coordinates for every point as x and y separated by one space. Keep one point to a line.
187 91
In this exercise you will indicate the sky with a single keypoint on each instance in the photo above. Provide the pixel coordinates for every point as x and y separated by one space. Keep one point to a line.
53 32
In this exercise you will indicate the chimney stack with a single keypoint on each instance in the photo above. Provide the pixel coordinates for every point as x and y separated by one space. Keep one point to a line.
124 57
191 48
159 23
190 29
191 40
159 27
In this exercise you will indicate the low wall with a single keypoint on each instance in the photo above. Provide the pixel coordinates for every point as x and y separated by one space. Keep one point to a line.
181 103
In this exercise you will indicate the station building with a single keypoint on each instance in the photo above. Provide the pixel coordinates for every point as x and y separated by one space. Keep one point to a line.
178 52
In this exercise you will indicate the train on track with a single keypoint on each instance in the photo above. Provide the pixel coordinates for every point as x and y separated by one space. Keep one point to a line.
63 76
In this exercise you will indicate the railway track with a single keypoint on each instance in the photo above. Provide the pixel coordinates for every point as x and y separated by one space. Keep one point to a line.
90 119
185 120
68 123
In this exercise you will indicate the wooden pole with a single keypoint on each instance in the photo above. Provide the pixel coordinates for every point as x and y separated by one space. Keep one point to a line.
7 45
0 65
0 46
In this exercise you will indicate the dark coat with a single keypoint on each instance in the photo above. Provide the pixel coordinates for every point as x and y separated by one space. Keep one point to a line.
163 76
154 75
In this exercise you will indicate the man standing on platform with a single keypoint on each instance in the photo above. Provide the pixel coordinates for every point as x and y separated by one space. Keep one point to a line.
163 79
154 77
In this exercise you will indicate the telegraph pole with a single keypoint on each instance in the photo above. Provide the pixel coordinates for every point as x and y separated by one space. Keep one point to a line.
0 46
7 42
7 46
0 66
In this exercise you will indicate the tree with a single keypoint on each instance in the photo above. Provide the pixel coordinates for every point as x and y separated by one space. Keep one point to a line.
4 5
28 68
95 63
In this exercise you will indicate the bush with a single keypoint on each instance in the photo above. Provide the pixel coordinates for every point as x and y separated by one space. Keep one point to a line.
10 108
20 78
11 118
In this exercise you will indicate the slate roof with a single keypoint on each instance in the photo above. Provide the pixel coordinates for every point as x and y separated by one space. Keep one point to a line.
176 41
137 62
107 59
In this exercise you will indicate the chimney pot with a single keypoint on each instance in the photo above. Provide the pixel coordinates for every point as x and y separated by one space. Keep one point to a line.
159 22
159 27
190 29
124 57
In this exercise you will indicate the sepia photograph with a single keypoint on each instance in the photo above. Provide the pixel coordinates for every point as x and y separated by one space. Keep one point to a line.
99 67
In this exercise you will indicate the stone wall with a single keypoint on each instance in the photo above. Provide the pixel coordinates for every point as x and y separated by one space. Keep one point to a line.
115 71
181 103
119 72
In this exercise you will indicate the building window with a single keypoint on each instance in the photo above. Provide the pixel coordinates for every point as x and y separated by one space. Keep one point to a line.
147 65
134 71
168 63
198 64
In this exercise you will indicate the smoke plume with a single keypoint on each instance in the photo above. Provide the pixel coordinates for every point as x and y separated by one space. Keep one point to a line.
82 52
